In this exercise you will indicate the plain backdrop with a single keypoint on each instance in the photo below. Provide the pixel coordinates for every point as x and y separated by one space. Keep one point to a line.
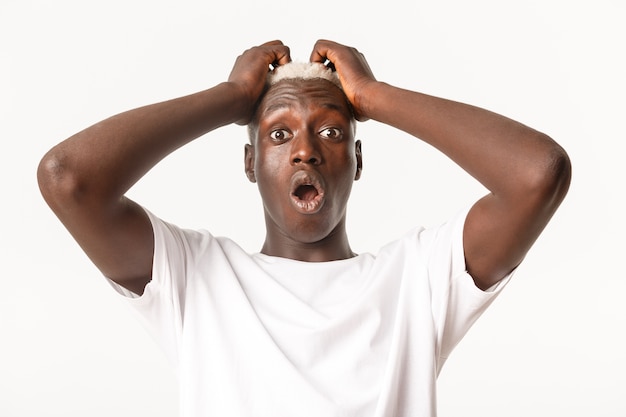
552 345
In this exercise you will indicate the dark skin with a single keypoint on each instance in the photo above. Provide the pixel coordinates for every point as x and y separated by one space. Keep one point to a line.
304 159
312 145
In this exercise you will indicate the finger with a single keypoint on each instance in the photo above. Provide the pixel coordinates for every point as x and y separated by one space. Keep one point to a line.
282 56
279 54
320 51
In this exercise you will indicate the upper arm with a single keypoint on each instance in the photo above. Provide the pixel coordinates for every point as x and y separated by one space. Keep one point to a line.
117 236
501 228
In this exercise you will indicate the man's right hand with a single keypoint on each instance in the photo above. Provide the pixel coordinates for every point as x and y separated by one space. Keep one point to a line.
249 73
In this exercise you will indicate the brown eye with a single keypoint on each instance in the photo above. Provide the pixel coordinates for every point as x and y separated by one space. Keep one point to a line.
280 135
331 133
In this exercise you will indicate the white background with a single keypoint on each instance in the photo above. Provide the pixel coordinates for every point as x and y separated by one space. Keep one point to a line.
552 344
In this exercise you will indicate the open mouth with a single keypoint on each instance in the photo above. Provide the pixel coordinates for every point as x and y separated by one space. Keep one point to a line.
307 192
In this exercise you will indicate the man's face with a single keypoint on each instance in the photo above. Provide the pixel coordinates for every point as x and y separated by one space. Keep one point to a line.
304 159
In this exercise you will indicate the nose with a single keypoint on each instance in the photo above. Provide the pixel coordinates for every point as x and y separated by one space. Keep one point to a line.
304 150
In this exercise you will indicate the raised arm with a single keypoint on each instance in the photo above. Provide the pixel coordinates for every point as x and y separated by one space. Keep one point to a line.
84 178
526 172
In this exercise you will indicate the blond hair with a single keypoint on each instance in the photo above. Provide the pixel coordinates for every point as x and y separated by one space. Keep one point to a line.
302 71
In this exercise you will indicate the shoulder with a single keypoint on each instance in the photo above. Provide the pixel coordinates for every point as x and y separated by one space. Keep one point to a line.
443 239
170 237
183 253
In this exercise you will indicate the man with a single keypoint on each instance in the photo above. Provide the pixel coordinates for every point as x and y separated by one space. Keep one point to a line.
306 326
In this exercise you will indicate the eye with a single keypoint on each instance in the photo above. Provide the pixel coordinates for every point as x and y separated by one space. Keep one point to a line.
280 135
331 133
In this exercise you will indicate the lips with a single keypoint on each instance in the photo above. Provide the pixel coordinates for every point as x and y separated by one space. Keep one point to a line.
307 192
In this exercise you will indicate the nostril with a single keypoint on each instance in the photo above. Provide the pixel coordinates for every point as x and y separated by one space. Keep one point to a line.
312 160
305 153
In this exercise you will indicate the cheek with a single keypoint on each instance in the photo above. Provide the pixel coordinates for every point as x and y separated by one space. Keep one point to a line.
268 163
348 161
344 172
267 168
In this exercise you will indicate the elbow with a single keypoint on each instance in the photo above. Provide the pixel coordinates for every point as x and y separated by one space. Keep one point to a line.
559 172
58 185
552 175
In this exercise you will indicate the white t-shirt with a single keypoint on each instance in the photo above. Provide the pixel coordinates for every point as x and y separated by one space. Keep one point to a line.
256 335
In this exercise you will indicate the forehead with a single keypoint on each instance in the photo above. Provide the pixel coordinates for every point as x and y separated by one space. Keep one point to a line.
294 94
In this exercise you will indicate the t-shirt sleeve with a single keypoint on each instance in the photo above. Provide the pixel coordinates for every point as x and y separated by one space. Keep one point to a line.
160 307
456 301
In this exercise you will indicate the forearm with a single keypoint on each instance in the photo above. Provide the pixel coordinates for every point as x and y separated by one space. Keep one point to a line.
499 152
107 158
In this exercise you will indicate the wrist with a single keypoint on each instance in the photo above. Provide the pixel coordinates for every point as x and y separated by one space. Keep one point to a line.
365 103
238 101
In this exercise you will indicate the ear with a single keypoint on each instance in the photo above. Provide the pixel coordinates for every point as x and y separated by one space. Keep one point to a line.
359 159
249 162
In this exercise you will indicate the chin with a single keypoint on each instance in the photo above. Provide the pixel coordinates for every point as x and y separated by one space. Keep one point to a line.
312 232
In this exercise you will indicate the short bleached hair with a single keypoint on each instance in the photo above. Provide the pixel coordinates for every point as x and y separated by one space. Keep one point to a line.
302 71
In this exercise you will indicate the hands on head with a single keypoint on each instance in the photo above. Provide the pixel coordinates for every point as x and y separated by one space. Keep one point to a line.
249 73
526 172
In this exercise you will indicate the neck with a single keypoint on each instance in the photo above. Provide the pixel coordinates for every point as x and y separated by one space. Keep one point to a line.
332 247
